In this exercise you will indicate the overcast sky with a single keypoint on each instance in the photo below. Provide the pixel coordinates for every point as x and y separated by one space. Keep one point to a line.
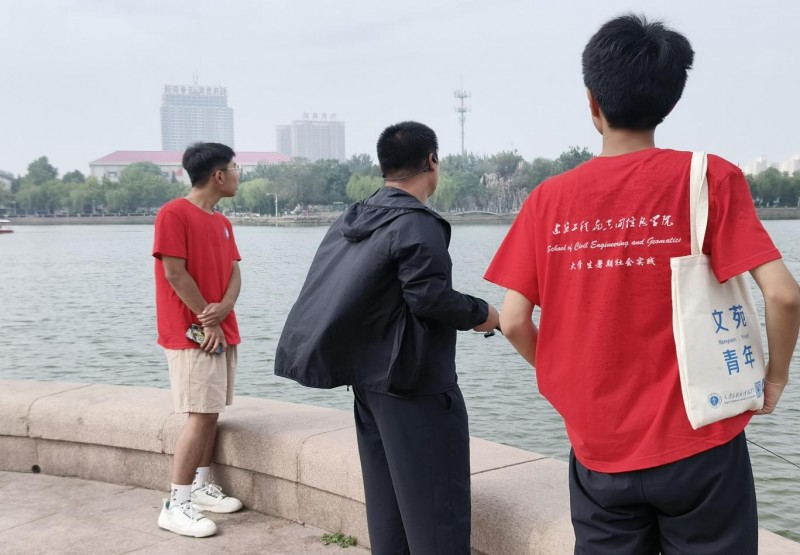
82 78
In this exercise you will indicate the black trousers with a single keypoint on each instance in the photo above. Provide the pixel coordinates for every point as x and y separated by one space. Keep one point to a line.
701 505
415 461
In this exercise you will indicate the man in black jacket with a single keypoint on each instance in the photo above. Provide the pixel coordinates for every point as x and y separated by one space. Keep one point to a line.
378 311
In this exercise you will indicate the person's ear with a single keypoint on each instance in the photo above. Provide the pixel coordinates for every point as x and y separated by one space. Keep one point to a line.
594 107
598 118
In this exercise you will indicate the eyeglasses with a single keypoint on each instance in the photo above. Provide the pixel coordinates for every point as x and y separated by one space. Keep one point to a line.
236 169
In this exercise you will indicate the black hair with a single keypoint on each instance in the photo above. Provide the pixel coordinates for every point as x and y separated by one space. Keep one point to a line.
405 146
202 159
636 70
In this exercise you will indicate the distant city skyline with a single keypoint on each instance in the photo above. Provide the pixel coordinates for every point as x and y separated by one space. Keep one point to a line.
89 77
763 163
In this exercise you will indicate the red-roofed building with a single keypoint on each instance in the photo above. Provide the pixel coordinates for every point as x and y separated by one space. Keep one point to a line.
169 161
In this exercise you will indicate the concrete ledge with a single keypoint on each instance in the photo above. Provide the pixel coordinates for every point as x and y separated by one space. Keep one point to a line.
296 462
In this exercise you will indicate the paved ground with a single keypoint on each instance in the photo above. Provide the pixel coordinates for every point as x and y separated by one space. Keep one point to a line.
52 515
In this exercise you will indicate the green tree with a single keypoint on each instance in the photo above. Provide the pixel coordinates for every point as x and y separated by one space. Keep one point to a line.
331 178
467 172
534 173
572 158
338 178
469 162
257 195
117 198
506 163
473 192
40 171
6 198
263 170
87 197
143 186
303 182
361 164
285 179
73 177
361 186
774 188
795 183
444 197
45 198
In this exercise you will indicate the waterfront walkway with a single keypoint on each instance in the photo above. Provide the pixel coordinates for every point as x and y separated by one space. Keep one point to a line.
52 515
82 467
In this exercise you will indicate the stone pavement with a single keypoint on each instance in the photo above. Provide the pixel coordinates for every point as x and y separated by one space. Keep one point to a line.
43 514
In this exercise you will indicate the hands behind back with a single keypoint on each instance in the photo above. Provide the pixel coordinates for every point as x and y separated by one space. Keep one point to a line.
214 339
214 313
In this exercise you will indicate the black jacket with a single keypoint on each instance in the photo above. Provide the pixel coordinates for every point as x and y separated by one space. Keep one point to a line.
378 309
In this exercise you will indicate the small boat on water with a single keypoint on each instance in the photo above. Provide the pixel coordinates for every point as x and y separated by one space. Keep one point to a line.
4 228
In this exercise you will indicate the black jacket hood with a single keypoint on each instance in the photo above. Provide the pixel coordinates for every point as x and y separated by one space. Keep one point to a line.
383 207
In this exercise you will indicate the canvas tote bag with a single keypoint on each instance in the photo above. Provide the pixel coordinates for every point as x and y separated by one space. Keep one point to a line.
716 327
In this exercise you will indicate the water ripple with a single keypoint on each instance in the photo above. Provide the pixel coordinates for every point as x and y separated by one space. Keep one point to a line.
80 301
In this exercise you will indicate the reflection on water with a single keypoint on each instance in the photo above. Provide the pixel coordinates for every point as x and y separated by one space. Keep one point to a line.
77 304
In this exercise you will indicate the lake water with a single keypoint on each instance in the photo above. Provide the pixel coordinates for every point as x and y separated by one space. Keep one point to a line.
77 304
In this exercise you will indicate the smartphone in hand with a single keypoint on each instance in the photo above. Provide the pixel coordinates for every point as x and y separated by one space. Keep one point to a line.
196 334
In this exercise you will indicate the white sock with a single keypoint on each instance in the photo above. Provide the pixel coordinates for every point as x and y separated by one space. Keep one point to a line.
201 477
180 494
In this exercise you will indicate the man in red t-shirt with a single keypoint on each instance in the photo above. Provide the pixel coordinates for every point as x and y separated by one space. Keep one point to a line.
197 284
592 249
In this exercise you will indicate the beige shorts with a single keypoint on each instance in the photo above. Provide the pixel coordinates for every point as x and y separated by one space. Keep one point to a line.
201 382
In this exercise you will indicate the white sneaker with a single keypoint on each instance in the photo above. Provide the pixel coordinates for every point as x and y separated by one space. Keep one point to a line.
186 520
210 498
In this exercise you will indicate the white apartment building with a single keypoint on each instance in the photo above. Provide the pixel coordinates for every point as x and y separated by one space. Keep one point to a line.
761 164
315 137
791 165
758 165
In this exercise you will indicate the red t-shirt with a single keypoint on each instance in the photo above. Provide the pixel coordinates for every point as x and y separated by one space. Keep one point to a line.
592 248
205 241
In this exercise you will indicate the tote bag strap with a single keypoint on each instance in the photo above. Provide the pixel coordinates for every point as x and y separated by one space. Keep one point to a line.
698 200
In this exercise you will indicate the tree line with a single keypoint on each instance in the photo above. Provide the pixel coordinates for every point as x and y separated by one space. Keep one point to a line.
774 188
496 183
141 188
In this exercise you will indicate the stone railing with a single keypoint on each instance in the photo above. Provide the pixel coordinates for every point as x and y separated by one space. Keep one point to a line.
292 461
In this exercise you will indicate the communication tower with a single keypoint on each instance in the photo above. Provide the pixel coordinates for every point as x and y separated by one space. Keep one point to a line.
462 110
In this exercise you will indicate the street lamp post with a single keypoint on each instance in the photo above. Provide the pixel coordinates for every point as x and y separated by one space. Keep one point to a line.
276 203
